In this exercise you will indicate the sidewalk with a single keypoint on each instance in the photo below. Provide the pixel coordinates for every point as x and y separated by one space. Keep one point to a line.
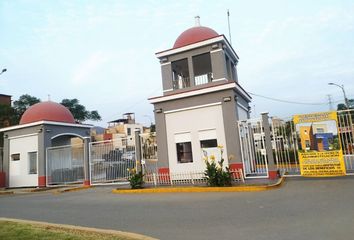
248 186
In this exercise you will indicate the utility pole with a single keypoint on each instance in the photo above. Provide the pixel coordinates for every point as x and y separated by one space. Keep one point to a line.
330 102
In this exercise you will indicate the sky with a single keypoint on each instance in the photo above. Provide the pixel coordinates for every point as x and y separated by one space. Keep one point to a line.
103 52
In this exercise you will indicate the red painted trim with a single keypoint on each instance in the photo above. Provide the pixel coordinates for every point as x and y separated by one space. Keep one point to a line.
236 166
164 170
2 179
273 174
42 181
87 183
166 174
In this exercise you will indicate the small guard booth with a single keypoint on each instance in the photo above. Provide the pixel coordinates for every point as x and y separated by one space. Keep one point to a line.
43 125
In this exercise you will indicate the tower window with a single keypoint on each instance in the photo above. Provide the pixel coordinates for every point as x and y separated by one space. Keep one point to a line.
202 69
180 74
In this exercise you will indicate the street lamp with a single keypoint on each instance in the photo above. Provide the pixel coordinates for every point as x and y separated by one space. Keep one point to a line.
2 71
345 96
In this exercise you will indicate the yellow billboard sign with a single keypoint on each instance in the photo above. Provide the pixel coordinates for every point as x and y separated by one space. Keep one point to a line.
320 152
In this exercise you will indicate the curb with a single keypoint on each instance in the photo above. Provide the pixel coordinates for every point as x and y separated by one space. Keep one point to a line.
201 189
79 228
6 192
74 189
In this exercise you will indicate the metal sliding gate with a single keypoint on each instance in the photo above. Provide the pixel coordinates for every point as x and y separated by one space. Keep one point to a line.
110 161
253 152
65 165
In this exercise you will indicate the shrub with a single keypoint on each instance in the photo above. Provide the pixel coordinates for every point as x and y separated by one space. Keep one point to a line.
215 174
136 180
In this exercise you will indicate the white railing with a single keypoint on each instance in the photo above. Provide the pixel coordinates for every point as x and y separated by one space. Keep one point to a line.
65 165
187 178
203 79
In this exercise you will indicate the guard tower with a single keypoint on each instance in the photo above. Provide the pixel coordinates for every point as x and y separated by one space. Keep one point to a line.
201 102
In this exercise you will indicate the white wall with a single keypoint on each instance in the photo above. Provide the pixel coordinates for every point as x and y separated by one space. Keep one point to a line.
19 170
194 124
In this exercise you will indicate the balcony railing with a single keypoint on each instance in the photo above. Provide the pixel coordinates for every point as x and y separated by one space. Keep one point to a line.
203 79
181 82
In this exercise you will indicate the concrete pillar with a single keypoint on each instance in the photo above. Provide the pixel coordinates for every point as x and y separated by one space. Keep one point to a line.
86 143
138 153
272 168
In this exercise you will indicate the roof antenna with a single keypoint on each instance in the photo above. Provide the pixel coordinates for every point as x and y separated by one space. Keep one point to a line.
228 22
197 21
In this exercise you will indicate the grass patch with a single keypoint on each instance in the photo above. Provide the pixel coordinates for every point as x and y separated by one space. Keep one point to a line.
22 231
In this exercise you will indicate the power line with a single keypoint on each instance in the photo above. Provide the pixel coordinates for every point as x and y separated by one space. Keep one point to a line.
286 101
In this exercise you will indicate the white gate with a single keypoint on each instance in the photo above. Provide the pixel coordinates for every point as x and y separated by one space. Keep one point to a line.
285 146
346 132
110 161
65 165
253 149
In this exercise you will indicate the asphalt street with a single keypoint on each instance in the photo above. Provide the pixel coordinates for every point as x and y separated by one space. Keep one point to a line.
301 209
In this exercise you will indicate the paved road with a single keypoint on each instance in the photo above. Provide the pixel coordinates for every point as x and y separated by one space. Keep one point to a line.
301 209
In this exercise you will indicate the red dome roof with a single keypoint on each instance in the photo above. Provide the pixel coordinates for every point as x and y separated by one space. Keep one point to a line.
47 111
193 35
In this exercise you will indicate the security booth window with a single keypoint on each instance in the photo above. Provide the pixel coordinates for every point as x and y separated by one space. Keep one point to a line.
184 152
209 143
15 157
32 163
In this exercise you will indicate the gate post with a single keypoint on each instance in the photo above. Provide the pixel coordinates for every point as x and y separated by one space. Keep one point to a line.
87 161
272 169
138 153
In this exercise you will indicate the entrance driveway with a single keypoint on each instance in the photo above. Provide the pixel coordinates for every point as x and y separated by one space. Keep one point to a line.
300 209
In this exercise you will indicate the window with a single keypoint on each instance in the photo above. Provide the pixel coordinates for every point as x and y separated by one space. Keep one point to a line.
15 157
184 152
320 130
32 163
210 143
307 143
129 131
180 74
202 69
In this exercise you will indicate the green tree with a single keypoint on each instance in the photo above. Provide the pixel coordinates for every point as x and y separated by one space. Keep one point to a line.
342 106
79 111
22 104
7 118
7 115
